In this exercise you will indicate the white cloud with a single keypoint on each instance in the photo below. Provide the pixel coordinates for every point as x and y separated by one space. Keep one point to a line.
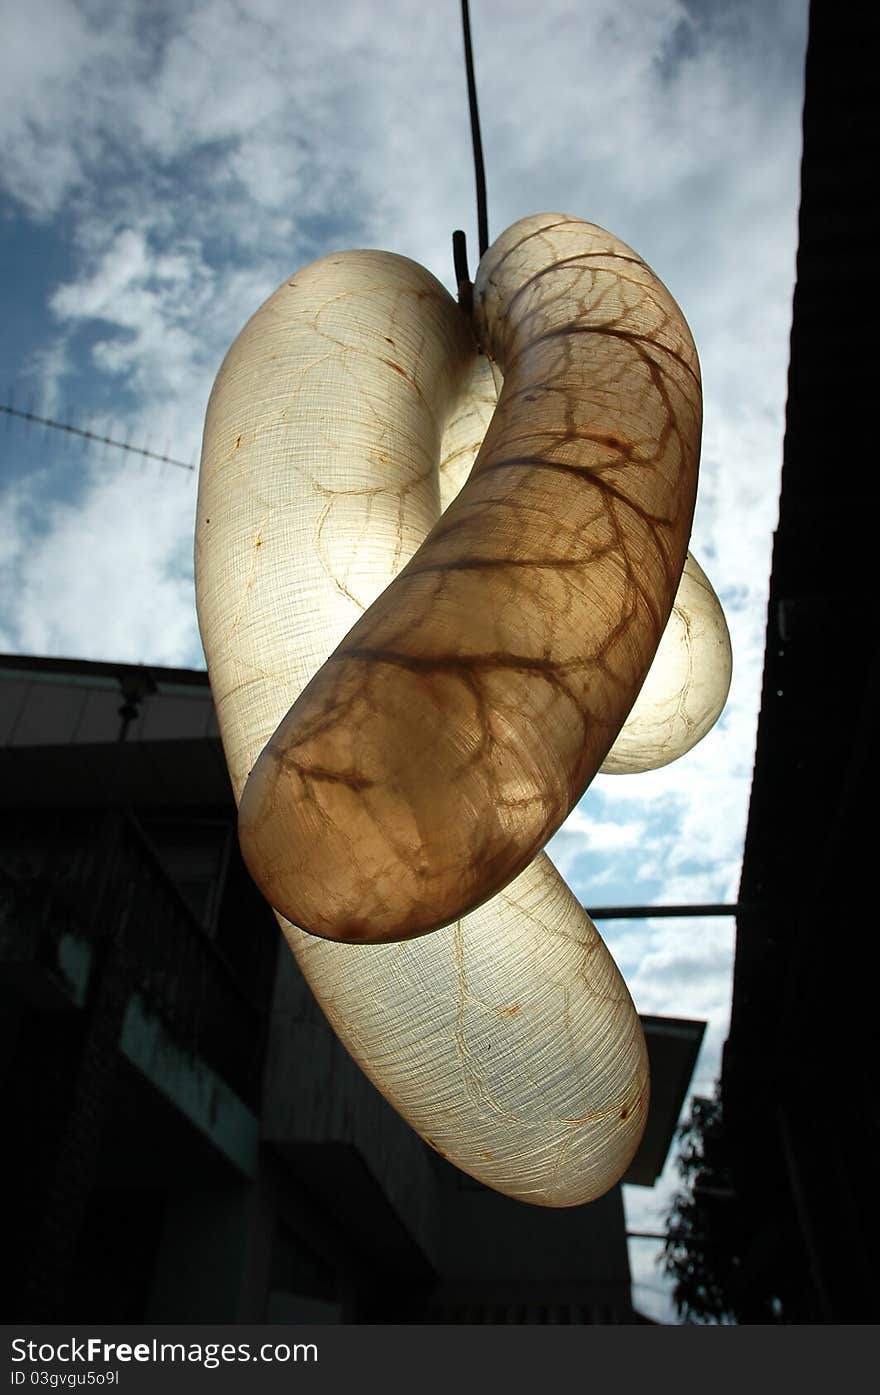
63 68
95 583
583 835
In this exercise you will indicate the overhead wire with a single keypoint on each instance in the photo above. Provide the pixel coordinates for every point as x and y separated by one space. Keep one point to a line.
459 248
86 435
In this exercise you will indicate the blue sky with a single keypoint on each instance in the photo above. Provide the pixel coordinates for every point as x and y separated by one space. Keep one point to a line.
164 164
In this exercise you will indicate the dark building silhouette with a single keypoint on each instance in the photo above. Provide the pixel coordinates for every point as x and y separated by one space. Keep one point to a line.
800 1097
188 1141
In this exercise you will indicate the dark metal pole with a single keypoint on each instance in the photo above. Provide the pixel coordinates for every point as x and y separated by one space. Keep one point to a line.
739 908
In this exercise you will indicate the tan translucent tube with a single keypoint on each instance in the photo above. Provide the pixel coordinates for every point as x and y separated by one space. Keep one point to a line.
463 715
507 1038
687 684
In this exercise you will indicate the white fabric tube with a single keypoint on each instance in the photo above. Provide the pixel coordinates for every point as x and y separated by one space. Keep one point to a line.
507 1038
687 684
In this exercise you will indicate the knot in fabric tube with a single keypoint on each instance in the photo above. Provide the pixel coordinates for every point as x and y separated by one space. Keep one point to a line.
463 715
411 701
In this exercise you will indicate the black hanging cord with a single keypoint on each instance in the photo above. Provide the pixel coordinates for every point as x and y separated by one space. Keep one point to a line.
479 171
459 242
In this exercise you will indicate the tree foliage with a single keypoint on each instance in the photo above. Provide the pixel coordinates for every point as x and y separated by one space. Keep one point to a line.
701 1251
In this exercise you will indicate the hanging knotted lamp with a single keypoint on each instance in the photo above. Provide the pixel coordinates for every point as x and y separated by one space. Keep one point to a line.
429 619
